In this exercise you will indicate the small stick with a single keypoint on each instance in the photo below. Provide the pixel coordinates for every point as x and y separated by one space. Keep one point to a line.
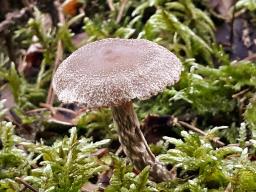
247 144
110 4
23 189
118 151
251 57
36 110
49 107
236 95
229 188
121 11
89 190
26 184
65 110
232 25
195 129
59 56
56 108
15 17
144 140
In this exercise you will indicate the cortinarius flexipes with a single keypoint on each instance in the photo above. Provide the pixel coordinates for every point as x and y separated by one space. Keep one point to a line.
113 72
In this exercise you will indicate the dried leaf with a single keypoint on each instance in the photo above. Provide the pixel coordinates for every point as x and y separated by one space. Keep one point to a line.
69 7
31 65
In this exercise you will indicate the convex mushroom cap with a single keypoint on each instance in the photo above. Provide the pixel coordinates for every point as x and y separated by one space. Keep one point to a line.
110 72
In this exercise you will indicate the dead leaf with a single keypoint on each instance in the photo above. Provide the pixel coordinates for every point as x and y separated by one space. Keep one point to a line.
34 54
33 58
69 7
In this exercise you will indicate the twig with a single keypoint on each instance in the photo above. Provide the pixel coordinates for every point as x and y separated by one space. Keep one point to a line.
6 26
118 151
251 57
236 95
144 140
23 189
229 188
26 184
232 25
110 4
14 17
59 56
66 110
55 108
49 107
27 3
195 129
99 189
247 144
121 11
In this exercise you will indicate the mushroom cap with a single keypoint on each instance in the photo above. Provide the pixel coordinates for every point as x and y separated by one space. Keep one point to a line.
110 72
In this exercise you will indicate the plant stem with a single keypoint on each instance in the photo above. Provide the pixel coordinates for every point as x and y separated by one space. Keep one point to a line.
134 144
59 54
197 130
26 184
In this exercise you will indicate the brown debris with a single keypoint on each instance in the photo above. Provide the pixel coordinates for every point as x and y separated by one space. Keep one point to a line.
34 54
70 7
121 10
223 8
33 58
58 58
15 17
27 185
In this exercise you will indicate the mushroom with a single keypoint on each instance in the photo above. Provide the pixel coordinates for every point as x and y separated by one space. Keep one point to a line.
112 73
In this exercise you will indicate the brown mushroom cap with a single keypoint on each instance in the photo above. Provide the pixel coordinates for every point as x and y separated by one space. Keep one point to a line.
113 71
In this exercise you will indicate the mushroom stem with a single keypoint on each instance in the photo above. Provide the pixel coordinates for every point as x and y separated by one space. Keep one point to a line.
134 144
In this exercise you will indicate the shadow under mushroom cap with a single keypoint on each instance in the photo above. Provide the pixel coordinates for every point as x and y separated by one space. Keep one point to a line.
113 71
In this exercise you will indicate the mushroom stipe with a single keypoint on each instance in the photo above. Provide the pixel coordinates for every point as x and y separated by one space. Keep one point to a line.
134 144
113 72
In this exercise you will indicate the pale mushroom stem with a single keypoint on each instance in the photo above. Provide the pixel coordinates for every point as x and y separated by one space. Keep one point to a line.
134 144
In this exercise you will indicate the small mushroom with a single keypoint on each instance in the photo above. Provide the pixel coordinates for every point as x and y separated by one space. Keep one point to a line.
112 73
